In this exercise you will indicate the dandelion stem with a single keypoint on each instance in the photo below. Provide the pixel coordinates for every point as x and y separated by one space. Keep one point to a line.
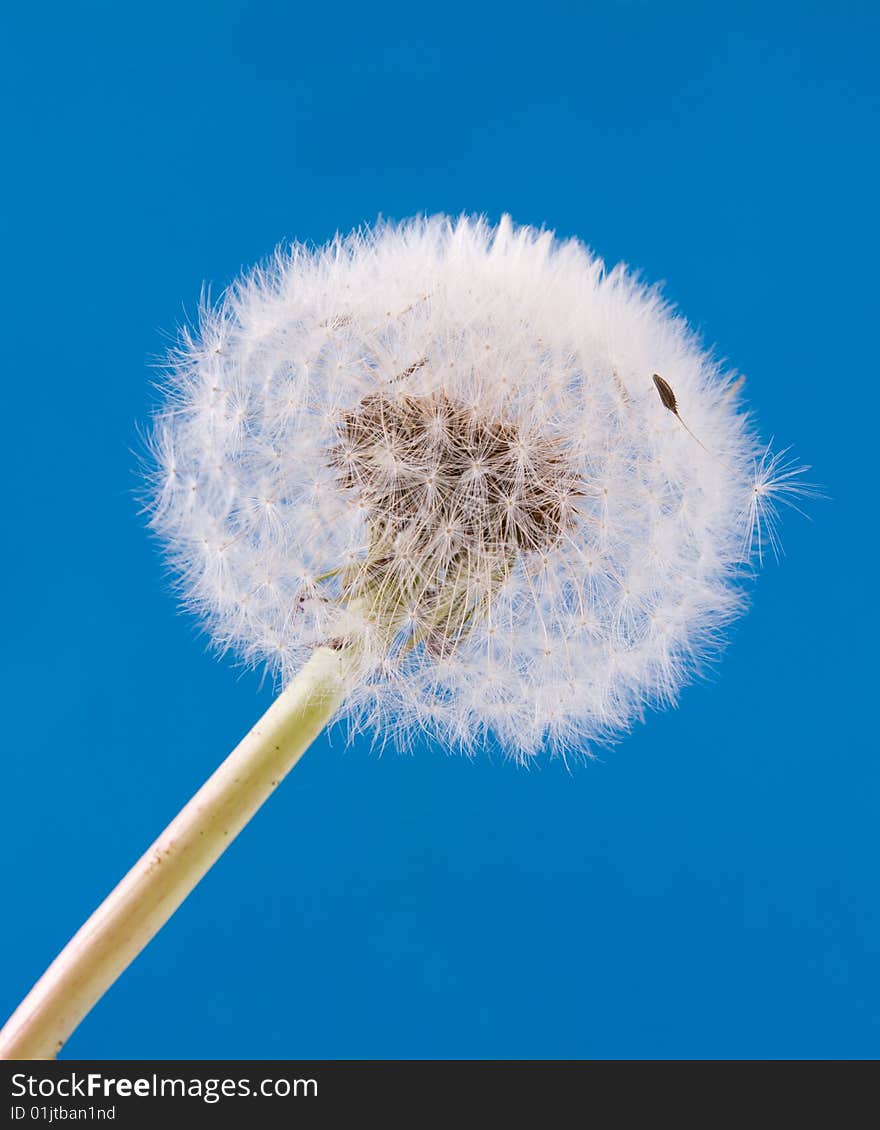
162 878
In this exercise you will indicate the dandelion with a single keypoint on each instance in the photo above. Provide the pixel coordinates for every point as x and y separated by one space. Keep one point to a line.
440 477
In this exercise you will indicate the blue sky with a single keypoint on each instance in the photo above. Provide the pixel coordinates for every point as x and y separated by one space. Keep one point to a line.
708 887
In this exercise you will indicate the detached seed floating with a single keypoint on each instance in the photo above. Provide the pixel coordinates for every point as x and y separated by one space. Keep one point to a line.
667 397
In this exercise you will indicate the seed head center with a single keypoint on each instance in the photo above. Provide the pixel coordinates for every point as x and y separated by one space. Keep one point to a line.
423 465
451 497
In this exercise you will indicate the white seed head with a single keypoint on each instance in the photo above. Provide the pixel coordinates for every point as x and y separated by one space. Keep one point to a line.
510 479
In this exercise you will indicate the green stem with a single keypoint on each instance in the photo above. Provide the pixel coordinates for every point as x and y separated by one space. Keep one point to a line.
162 878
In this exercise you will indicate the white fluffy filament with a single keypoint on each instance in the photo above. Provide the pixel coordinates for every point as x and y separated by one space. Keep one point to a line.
446 440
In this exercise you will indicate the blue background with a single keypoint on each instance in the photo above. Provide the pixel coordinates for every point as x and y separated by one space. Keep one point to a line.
709 887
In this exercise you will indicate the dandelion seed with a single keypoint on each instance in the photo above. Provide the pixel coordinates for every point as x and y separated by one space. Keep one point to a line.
667 396
778 481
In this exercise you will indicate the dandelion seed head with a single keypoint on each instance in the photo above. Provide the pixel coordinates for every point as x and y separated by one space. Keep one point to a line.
444 441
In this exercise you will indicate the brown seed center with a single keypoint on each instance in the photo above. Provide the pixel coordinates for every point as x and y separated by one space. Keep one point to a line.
452 498
432 469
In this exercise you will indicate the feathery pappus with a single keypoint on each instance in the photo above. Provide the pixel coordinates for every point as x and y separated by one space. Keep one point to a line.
458 449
